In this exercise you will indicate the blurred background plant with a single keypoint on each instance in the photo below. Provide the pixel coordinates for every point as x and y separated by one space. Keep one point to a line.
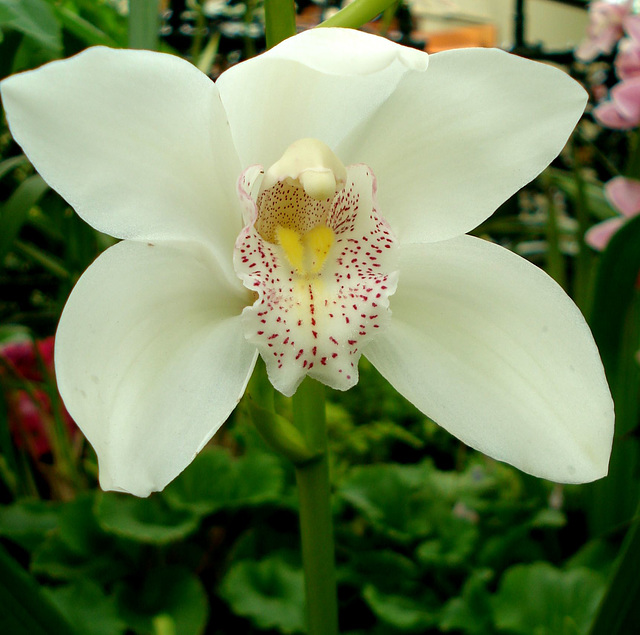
431 536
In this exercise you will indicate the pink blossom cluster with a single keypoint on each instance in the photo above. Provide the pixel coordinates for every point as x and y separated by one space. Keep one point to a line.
606 23
30 410
610 24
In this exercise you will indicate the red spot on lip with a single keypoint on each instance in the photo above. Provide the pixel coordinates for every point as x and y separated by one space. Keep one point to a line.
323 361
314 350
351 342
334 340
299 355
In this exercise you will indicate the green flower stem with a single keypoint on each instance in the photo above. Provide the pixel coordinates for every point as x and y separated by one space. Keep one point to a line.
144 17
316 528
358 13
279 20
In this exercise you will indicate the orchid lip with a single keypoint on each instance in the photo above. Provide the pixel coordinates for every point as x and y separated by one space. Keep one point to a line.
323 267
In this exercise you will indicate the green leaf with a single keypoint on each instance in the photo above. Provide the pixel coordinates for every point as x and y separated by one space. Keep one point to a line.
471 612
172 597
593 192
79 547
270 593
409 502
9 468
390 498
83 29
386 569
615 288
401 612
9 164
28 522
87 607
146 520
618 613
615 322
24 608
215 480
15 211
453 547
539 599
33 18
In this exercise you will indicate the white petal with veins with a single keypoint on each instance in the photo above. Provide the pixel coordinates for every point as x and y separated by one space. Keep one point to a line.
151 359
452 144
494 351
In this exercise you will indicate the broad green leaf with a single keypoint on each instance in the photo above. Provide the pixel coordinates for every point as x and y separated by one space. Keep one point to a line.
87 607
270 593
539 599
615 322
615 288
82 29
79 547
384 568
456 542
391 499
618 614
28 522
172 597
24 608
216 480
16 209
146 520
34 19
471 612
408 502
407 614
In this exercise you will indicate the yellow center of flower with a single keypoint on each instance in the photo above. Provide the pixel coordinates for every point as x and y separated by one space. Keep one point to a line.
306 253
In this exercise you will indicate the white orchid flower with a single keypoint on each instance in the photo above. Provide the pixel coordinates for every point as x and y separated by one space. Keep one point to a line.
377 159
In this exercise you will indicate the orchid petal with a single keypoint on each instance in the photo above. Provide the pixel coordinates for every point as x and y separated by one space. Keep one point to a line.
151 359
320 84
632 26
599 235
450 145
137 142
624 195
627 62
491 348
608 115
626 96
